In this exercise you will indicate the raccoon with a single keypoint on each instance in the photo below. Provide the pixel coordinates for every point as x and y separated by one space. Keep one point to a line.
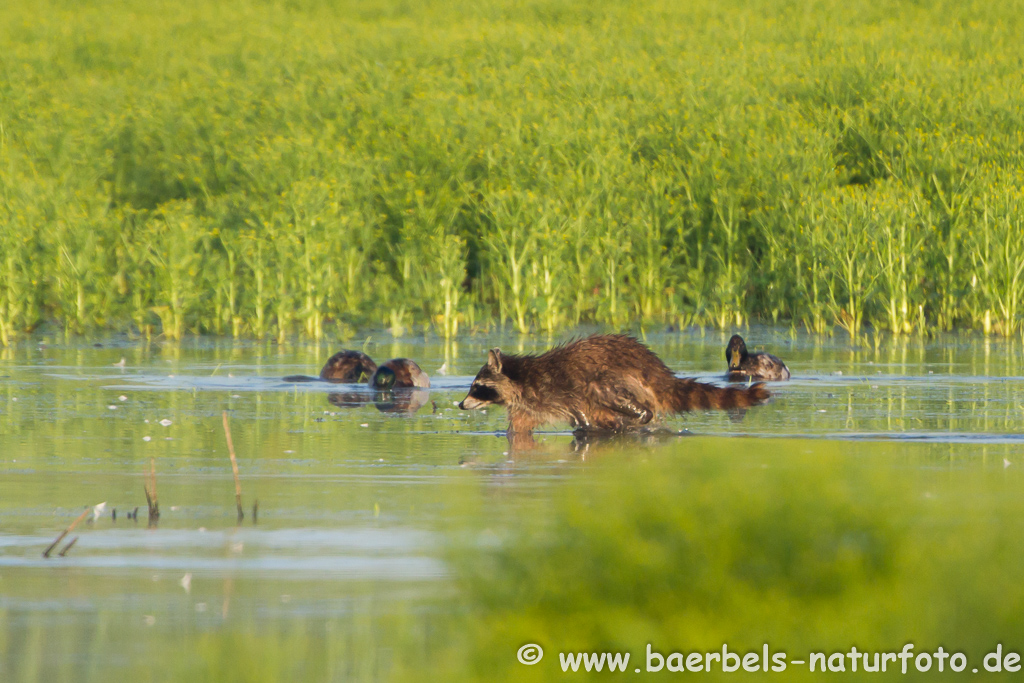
601 383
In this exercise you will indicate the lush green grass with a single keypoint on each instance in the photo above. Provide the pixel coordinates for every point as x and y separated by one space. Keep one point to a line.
273 168
809 547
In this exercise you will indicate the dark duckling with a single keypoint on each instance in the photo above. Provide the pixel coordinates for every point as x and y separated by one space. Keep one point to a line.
344 367
399 373
348 367
744 366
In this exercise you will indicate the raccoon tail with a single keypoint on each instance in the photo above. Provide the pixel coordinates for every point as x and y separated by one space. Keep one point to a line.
689 395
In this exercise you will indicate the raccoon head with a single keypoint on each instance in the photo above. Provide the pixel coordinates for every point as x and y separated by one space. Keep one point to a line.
735 352
490 386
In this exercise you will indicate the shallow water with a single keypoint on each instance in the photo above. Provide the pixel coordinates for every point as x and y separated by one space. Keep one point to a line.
358 505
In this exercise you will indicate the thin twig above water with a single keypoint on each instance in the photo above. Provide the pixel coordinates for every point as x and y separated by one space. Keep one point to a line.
234 468
46 553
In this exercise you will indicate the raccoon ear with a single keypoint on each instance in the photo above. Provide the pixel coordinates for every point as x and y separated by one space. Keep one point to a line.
494 359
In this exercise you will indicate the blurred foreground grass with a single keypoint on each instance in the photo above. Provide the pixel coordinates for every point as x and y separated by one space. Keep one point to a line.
806 546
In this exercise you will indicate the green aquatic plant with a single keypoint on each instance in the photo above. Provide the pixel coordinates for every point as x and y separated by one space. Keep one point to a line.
176 256
899 238
512 245
568 164
998 261
726 545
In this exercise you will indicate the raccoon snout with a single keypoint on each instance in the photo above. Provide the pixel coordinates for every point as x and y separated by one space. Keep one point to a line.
470 403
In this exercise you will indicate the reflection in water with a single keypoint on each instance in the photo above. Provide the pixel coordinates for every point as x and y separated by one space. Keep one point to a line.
394 401
348 399
585 443
401 400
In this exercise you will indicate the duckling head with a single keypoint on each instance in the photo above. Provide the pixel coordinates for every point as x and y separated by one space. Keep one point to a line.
383 379
735 352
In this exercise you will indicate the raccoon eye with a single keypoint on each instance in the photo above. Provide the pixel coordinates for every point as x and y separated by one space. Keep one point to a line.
483 393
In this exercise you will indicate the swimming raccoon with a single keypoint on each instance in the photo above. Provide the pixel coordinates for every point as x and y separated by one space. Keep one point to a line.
399 373
604 382
344 367
744 366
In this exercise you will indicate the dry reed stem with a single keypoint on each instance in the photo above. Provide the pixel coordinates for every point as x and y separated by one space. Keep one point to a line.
46 553
150 488
234 467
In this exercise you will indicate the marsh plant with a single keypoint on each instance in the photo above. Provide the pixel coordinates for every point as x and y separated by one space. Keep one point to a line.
457 166
646 552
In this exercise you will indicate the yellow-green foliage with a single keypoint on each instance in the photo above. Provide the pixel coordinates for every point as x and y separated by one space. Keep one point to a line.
708 542
270 168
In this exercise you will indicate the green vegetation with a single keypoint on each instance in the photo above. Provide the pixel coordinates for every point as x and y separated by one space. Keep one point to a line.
261 168
807 547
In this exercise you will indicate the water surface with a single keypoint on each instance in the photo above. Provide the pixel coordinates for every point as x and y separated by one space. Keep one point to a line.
360 505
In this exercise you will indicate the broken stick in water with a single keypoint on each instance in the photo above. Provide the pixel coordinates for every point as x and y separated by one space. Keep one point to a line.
151 499
46 553
234 468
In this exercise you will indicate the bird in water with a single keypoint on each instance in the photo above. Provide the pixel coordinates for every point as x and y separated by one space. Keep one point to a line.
355 367
744 366
344 367
348 367
399 373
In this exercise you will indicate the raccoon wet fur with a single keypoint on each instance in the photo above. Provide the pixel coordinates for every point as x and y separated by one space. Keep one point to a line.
605 382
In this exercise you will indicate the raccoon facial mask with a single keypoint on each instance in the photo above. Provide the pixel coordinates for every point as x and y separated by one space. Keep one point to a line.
485 388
